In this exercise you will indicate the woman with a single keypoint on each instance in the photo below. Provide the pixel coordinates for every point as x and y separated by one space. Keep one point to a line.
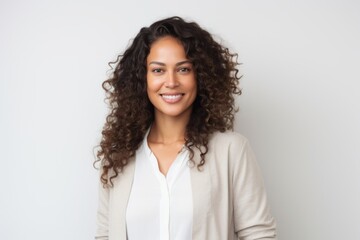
170 167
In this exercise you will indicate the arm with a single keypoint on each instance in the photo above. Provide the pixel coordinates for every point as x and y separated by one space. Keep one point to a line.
252 216
102 214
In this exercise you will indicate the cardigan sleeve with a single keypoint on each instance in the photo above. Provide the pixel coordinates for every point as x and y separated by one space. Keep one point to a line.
102 231
252 218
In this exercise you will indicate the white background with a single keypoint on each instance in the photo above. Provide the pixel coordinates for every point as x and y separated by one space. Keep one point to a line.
300 107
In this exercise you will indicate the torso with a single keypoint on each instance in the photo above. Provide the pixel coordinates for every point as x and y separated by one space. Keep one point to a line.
160 204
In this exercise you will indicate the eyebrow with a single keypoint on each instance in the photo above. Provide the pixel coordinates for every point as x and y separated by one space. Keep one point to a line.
163 64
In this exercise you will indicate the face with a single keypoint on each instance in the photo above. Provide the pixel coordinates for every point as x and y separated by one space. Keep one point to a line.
171 83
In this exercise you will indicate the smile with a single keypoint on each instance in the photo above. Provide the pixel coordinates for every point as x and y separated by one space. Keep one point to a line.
171 98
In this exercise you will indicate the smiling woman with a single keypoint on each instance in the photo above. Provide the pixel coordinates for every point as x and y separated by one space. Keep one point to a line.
171 83
171 168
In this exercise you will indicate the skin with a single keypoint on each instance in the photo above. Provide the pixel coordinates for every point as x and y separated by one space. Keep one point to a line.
171 88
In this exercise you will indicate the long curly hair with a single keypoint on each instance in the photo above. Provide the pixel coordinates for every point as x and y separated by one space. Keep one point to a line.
131 112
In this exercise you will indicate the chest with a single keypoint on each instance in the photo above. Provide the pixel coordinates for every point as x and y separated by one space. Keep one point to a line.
160 206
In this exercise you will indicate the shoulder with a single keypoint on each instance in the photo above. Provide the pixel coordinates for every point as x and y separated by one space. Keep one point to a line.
228 145
228 138
228 153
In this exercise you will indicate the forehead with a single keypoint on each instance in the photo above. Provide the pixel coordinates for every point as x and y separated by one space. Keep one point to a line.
167 49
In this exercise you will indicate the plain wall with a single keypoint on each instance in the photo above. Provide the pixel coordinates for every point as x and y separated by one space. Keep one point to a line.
300 106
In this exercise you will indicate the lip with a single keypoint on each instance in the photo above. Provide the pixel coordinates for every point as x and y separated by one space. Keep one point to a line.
171 97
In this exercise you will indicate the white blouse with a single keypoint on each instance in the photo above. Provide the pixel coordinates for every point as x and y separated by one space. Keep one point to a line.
160 207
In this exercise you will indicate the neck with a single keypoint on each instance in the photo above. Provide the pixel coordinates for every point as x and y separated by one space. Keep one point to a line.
168 130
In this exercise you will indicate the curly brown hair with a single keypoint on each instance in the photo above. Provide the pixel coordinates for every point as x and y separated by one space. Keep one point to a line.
131 112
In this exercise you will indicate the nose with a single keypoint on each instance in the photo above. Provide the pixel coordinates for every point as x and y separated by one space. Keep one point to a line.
171 80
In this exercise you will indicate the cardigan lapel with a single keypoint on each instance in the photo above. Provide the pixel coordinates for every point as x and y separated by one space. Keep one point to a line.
119 201
201 190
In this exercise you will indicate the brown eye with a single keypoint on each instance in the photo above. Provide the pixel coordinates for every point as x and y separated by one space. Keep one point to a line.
184 70
157 70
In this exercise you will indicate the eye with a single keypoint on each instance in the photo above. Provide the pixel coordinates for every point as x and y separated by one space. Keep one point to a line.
184 70
157 70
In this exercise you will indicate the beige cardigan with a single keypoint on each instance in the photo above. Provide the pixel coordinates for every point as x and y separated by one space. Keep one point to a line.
229 199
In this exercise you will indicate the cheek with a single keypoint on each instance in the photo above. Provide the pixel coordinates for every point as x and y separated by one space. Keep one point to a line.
150 95
153 85
193 85
152 88
149 84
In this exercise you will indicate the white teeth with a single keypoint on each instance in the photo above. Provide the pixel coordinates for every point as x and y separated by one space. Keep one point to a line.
171 96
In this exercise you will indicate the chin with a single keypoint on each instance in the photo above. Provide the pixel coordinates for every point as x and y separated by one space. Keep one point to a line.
176 113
